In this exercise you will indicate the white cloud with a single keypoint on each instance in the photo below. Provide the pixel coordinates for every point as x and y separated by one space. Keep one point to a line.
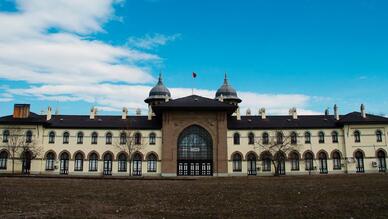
152 41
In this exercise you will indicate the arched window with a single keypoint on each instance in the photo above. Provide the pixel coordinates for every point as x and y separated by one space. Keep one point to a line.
152 138
28 136
307 138
294 161
123 138
237 162
137 162
236 139
108 158
5 136
93 162
382 161
336 160
79 162
138 138
279 138
265 138
64 163
50 157
294 138
252 164
334 137
3 160
359 162
357 136
51 137
321 136
251 138
108 138
266 162
66 136
379 136
308 158
323 163
151 163
80 138
122 163
94 138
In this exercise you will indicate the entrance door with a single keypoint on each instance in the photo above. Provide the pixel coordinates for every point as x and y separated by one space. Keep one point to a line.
195 152
26 162
281 161
64 163
137 161
108 164
252 165
360 162
323 163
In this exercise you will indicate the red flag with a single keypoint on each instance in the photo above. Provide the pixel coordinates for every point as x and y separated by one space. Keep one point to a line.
194 75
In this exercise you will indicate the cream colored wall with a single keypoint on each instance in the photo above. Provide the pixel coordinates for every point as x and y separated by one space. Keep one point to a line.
40 136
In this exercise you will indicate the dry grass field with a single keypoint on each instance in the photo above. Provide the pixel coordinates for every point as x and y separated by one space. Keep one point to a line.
345 196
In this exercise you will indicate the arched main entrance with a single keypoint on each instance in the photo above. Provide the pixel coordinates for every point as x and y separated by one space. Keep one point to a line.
26 161
195 152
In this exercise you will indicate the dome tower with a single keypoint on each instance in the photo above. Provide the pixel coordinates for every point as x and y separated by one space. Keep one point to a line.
227 93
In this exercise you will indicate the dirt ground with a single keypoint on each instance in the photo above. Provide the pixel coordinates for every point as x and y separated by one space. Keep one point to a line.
345 196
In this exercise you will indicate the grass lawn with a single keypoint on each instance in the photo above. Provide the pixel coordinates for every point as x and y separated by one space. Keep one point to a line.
344 196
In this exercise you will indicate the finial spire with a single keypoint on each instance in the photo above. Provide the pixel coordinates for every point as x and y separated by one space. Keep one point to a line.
160 80
226 78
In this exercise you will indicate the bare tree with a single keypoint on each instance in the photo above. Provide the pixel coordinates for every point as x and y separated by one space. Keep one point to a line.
19 142
279 145
130 142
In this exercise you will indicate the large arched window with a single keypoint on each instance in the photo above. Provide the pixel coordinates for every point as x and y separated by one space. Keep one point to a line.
279 138
321 136
138 138
308 158
80 138
237 162
265 138
359 162
357 136
323 163
236 139
66 137
64 163
152 139
381 156
336 160
123 138
29 136
122 163
294 138
379 136
307 138
294 161
266 162
94 139
79 162
251 138
108 137
3 160
50 158
334 137
93 162
51 137
5 136
151 163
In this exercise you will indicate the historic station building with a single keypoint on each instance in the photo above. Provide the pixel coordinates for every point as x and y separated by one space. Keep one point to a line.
192 136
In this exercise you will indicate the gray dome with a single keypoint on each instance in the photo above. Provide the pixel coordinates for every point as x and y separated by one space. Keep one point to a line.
159 91
227 92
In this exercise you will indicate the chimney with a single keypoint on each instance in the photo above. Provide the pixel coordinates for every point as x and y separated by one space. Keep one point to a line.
262 113
238 115
124 113
293 113
48 115
21 111
248 112
138 112
150 112
221 98
336 112
93 113
363 112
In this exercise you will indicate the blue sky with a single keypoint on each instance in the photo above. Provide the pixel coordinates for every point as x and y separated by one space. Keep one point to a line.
278 54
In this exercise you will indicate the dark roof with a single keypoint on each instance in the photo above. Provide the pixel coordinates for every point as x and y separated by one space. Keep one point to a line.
282 122
33 119
195 103
356 118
